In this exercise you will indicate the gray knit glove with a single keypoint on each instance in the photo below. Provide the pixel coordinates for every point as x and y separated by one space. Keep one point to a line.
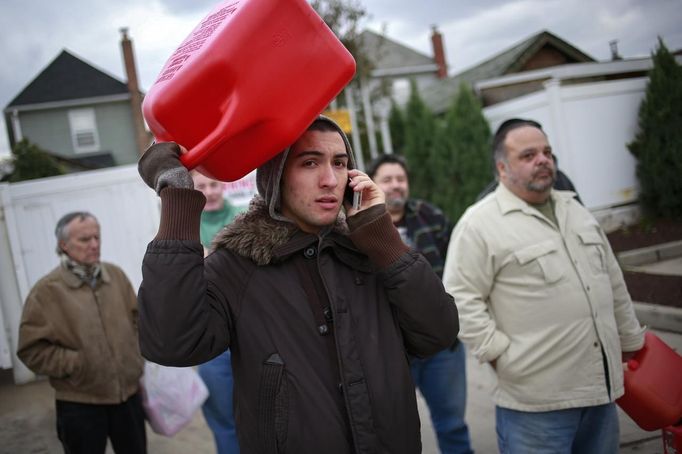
160 167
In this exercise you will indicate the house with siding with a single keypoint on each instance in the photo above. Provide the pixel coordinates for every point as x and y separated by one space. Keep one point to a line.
396 62
392 66
81 115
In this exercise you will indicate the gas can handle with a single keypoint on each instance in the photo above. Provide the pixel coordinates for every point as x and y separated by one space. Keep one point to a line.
222 130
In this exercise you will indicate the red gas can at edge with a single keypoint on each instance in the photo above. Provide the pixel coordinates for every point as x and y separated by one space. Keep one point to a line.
653 385
246 83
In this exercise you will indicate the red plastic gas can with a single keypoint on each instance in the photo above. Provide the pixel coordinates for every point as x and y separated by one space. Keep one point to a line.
246 83
653 385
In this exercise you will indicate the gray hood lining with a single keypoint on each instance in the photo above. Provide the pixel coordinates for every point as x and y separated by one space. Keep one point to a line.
269 175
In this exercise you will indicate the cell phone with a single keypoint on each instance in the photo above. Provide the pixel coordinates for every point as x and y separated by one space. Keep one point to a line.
352 197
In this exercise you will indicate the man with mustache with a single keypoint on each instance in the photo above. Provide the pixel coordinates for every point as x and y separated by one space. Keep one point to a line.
561 180
441 378
542 299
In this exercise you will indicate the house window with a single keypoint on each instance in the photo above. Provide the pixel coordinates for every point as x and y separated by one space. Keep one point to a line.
401 90
83 130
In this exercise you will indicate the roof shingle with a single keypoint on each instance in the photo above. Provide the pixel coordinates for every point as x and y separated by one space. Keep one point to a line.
67 78
388 54
439 95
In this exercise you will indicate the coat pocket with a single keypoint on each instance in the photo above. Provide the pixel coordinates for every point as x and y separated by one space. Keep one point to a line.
273 407
544 256
593 245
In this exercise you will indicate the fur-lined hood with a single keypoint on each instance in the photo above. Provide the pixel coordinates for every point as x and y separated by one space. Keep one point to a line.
255 235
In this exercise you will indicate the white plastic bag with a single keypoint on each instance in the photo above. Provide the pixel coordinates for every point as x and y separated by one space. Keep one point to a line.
170 396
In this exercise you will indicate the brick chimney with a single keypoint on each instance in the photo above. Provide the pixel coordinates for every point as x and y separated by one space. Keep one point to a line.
142 137
439 52
614 50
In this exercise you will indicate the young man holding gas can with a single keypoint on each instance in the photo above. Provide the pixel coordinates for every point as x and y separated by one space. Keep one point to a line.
320 308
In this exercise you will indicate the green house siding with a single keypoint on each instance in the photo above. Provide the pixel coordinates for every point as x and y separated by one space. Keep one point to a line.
50 129
116 133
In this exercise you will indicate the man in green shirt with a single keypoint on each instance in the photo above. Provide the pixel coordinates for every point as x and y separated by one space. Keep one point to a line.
217 373
218 211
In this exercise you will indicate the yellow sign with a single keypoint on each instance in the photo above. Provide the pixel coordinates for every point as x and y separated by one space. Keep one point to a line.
341 117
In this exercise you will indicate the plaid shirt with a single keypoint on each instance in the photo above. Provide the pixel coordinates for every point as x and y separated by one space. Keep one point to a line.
428 231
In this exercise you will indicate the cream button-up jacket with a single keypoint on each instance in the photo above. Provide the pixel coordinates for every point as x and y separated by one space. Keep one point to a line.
548 302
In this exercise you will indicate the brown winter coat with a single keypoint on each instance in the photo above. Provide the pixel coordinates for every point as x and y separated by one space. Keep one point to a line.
83 339
297 390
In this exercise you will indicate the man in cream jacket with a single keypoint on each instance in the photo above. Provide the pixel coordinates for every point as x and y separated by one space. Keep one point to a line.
542 299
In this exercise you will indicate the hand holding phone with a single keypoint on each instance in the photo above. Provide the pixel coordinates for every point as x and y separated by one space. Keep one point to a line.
352 197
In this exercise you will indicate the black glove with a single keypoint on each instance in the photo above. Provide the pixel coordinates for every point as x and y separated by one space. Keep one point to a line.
160 166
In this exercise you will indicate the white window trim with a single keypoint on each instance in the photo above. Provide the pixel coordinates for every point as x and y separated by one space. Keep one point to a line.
83 121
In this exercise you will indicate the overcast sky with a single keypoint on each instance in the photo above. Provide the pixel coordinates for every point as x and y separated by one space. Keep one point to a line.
35 31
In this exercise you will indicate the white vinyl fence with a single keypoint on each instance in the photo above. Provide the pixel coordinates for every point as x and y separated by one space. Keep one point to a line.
589 126
128 213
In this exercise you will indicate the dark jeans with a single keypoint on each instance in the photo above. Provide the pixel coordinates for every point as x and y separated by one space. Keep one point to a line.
84 428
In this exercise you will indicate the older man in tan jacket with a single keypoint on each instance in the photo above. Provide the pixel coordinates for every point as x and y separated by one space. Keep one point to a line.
79 328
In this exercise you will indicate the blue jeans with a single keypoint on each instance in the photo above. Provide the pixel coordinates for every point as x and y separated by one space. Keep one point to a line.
442 381
584 430
218 409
